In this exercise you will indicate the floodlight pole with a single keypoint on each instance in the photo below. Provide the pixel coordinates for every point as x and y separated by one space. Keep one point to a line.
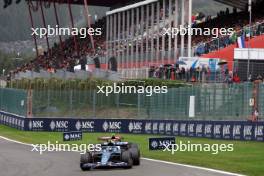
72 25
45 26
89 23
58 24
250 22
32 25
190 26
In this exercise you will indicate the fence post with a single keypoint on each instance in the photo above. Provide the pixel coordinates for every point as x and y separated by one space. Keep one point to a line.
247 99
138 105
117 104
29 103
255 117
71 100
94 103
48 97
1 104
214 99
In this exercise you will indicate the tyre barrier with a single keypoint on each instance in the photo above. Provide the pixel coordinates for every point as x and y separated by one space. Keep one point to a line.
228 130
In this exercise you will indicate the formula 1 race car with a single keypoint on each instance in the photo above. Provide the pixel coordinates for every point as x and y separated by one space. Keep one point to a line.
114 153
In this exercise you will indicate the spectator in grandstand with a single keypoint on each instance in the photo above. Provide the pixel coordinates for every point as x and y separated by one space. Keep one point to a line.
236 78
67 58
259 78
229 79
250 79
227 11
256 115
152 72
83 61
235 10
236 20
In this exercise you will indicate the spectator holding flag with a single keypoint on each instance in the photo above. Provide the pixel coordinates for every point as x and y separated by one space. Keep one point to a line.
241 42
233 37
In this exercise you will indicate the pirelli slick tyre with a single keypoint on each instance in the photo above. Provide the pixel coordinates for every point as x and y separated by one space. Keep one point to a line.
135 153
85 158
127 158
133 145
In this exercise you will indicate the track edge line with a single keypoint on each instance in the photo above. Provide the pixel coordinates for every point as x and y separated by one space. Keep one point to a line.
149 159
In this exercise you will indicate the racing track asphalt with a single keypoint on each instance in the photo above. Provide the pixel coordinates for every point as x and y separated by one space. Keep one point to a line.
18 160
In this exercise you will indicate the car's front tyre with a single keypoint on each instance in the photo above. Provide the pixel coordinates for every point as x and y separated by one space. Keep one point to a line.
85 158
135 153
127 158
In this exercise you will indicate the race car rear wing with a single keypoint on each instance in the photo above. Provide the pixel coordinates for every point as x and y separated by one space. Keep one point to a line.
108 138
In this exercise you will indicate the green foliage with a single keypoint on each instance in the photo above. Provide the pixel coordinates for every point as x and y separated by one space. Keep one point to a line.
247 157
89 84
156 82
10 62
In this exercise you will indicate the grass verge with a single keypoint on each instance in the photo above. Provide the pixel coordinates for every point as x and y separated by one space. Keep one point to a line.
247 157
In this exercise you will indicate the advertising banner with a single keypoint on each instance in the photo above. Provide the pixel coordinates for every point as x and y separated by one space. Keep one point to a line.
72 136
228 130
161 143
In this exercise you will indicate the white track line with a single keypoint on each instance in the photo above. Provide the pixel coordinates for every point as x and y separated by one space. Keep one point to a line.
193 167
14 141
153 160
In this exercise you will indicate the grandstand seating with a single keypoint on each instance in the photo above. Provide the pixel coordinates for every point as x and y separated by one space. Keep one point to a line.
67 58
241 4
228 52
238 21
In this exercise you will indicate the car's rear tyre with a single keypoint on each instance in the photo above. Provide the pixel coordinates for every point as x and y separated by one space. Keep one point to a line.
133 145
135 153
85 158
127 158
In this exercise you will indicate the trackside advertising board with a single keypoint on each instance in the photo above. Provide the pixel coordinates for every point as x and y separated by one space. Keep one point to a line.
72 136
195 62
161 143
230 130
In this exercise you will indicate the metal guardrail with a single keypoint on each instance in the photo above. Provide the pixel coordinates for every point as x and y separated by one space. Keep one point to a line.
65 75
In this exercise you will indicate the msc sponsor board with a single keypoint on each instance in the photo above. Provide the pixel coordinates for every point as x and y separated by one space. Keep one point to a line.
233 130
62 125
161 143
72 136
12 120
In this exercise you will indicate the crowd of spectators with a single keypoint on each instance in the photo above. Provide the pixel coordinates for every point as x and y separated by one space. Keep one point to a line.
65 56
239 21
199 74
174 72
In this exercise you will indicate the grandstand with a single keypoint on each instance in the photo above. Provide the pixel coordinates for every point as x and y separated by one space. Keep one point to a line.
132 42
132 45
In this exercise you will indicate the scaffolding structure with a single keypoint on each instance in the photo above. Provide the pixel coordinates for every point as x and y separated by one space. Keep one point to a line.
135 33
